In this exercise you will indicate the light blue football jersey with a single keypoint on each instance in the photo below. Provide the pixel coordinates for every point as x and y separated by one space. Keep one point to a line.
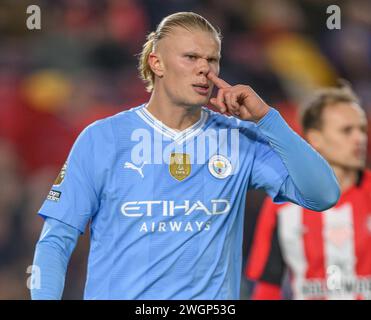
166 207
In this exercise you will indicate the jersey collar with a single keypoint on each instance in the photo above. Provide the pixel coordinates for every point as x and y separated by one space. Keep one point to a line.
177 136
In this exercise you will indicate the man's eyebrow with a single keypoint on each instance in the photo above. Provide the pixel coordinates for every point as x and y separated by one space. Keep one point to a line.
216 56
192 53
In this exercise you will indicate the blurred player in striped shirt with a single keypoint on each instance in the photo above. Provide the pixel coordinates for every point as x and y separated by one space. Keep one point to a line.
328 255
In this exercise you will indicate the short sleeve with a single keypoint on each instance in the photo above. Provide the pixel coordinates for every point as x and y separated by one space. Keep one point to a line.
73 198
268 170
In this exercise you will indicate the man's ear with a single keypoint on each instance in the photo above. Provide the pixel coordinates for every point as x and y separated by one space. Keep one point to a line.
154 61
315 138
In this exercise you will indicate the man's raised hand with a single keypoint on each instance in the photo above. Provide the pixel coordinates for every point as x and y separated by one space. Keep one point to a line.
240 100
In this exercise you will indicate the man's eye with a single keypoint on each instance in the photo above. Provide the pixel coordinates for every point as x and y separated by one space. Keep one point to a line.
347 130
192 57
364 129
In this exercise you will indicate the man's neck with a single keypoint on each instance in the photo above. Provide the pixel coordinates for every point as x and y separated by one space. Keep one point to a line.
347 177
173 116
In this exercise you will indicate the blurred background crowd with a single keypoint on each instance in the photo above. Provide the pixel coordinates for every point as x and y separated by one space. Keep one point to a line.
82 66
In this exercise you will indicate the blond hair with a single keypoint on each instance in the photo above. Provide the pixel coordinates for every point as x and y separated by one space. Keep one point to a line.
186 20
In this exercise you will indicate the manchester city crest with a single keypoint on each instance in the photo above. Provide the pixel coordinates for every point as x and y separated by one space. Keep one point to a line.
219 166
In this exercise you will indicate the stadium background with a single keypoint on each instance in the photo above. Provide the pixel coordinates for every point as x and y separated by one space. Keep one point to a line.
81 66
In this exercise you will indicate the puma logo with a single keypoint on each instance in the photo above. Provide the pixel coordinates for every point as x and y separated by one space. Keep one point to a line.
129 165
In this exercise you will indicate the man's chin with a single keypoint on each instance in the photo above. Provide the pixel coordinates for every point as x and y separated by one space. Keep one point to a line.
356 165
349 165
199 103
201 100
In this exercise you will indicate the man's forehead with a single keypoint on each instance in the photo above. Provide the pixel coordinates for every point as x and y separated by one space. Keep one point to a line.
198 41
343 113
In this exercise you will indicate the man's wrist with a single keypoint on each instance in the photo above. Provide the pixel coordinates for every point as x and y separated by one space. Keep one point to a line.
265 118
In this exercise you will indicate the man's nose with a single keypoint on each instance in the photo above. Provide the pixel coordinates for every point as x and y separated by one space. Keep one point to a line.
360 137
203 66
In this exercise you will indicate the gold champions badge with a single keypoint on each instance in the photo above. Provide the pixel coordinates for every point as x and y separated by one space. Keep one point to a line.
180 166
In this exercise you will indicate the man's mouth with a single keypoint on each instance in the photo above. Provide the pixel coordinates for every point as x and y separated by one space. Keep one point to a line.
201 88
360 152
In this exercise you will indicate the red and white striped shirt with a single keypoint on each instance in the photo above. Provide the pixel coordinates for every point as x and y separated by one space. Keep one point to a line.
328 254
